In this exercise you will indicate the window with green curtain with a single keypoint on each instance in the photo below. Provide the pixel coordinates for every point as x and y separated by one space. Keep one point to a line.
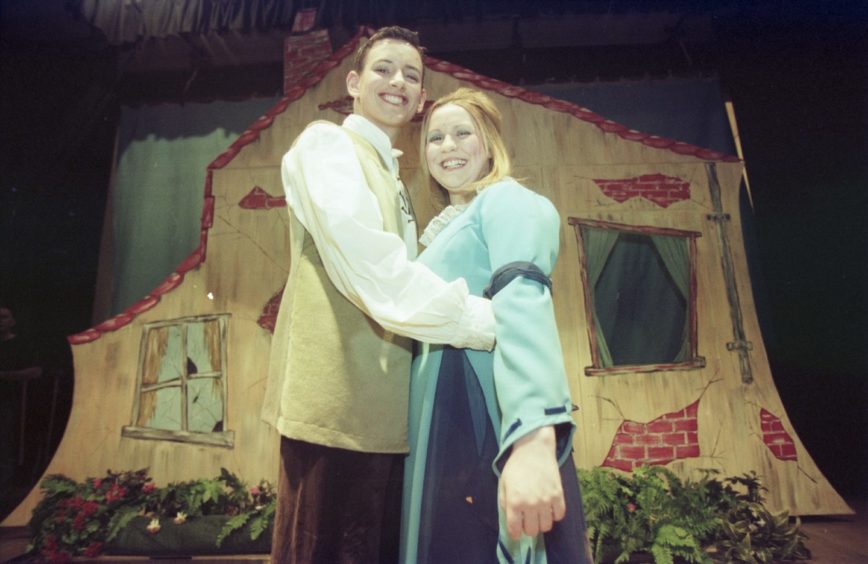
639 295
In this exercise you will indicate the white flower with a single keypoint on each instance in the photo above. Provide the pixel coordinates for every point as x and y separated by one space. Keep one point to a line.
154 526
180 518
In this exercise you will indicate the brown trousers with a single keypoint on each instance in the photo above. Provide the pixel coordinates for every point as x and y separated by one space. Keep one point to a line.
336 506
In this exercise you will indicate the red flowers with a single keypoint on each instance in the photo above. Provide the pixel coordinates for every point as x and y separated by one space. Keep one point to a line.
116 492
88 508
78 522
52 552
93 550
82 518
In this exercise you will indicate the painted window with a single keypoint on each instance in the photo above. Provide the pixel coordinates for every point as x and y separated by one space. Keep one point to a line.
181 393
640 296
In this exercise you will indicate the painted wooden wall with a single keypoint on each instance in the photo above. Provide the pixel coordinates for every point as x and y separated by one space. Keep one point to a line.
698 418
701 418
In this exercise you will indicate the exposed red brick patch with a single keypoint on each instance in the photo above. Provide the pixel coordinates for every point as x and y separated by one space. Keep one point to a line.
685 425
660 426
623 438
675 439
268 317
657 188
776 438
689 451
259 199
672 436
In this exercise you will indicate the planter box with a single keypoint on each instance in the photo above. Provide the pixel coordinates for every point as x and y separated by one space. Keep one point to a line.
196 537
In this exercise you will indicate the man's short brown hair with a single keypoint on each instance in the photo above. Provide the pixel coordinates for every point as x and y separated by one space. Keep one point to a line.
394 32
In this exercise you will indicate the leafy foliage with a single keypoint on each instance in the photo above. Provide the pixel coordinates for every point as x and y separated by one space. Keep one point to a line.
750 533
78 519
650 512
708 520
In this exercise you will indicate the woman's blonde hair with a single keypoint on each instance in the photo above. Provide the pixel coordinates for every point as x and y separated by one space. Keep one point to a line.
488 120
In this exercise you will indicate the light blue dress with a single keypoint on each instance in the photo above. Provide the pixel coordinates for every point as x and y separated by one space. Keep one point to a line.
502 395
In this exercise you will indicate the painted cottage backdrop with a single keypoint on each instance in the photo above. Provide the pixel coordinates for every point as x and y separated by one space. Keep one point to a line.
659 330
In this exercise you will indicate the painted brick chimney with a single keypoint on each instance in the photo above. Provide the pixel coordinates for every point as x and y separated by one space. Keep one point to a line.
301 53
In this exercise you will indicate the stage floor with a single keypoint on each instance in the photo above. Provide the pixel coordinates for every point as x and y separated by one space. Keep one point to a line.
832 540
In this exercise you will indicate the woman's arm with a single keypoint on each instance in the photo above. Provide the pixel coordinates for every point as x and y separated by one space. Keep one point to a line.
530 490
532 391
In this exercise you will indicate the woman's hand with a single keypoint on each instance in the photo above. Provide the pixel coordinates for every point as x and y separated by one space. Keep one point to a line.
530 490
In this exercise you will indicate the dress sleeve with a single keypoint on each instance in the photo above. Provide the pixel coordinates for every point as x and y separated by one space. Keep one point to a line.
327 191
529 375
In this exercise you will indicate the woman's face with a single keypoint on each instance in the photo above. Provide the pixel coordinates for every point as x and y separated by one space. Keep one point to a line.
455 152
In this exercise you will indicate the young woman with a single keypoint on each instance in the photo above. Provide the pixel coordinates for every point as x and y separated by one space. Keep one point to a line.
490 475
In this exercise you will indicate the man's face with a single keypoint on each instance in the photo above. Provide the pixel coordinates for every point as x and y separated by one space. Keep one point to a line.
388 90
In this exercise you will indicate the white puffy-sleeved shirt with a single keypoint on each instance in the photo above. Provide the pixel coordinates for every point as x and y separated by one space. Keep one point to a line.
369 266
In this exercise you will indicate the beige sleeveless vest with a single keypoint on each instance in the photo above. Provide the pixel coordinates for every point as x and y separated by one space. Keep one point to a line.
336 377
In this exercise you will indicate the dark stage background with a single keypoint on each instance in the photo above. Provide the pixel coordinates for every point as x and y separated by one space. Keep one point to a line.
797 73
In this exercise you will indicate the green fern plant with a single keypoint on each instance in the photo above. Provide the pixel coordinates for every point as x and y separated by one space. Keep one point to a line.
256 511
707 520
652 511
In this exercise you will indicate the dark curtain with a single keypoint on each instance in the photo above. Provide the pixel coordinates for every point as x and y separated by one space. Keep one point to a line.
158 190
129 21
641 310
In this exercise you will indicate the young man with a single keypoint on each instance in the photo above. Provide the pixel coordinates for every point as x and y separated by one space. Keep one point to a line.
338 381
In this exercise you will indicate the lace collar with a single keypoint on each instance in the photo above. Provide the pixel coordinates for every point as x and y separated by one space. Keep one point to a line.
440 222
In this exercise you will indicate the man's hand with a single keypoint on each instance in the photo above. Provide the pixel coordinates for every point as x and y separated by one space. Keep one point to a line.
530 490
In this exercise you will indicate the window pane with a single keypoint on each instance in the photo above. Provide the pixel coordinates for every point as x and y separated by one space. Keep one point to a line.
161 409
172 362
203 347
642 312
205 405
